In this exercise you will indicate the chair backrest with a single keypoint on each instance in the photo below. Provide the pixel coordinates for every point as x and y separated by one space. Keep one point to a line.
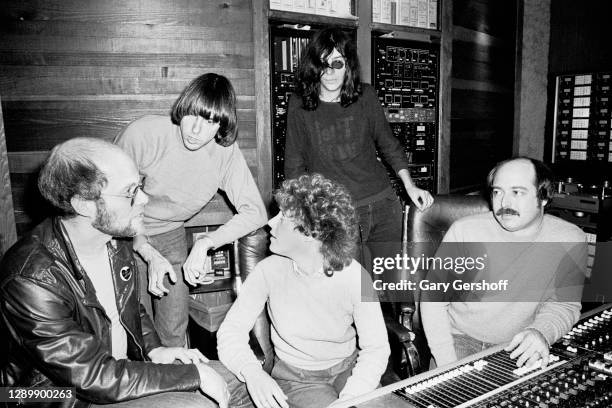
429 226
424 230
253 248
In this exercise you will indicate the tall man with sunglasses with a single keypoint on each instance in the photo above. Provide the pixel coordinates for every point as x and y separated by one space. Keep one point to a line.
336 127
70 313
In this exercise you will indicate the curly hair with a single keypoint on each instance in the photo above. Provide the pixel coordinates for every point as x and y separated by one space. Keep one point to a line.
211 96
311 68
323 210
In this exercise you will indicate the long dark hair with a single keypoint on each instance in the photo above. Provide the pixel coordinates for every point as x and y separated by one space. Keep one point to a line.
212 97
311 68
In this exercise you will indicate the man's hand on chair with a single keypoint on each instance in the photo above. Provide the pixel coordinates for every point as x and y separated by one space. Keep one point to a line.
421 198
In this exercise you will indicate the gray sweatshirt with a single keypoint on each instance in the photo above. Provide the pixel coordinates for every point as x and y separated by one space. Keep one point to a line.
181 182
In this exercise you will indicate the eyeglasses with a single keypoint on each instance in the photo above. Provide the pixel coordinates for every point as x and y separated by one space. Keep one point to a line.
130 194
336 64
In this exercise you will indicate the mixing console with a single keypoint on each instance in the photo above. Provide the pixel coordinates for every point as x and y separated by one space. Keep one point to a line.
579 374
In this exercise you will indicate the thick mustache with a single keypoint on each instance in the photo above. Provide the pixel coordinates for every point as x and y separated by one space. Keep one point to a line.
506 211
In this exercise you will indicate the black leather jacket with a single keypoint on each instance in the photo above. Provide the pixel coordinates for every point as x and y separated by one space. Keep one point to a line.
56 333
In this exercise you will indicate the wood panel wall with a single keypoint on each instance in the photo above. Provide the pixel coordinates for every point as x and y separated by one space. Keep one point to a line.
88 67
8 233
482 89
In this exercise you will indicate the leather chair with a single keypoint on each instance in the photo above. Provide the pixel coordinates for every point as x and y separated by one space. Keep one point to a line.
423 232
253 248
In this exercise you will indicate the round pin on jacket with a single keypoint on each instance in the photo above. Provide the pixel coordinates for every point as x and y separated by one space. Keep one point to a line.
125 273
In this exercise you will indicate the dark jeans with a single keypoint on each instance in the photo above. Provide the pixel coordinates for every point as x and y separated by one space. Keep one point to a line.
171 311
380 234
312 388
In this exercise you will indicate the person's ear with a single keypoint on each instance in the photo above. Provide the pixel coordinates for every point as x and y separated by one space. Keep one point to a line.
83 207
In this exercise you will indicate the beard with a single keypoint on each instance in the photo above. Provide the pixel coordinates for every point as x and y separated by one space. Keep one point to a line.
106 223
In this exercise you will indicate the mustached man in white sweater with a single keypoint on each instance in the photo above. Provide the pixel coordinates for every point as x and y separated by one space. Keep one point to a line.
311 286
543 258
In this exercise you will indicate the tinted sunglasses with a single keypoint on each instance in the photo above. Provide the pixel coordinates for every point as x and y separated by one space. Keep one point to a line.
336 64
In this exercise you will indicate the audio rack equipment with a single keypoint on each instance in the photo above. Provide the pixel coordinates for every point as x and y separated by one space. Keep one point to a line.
582 127
579 374
286 48
405 76
581 143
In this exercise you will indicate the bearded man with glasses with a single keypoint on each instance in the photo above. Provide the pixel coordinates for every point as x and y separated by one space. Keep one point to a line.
70 313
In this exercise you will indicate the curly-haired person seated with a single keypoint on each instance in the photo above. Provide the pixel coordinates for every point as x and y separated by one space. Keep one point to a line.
312 288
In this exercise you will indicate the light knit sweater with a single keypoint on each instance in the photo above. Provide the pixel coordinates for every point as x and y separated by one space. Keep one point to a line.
558 246
181 182
315 320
